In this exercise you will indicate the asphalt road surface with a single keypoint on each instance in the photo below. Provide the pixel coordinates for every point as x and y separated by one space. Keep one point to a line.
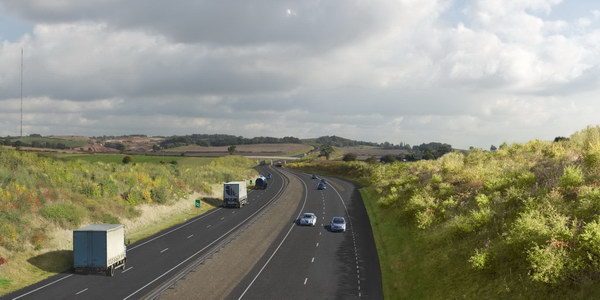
315 263
154 260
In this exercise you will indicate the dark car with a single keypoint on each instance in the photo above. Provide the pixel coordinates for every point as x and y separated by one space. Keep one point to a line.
314 176
321 186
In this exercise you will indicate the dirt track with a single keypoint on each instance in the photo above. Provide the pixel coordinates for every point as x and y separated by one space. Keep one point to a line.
219 275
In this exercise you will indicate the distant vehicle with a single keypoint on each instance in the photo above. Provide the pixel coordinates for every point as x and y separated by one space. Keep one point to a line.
338 224
269 176
262 162
322 181
261 183
308 219
235 194
99 248
314 176
321 186
279 164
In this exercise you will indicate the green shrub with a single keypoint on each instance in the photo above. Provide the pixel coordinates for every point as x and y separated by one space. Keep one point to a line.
67 215
425 218
549 264
480 259
572 177
590 238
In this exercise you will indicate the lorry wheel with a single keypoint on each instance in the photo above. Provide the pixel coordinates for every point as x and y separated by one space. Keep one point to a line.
123 267
110 271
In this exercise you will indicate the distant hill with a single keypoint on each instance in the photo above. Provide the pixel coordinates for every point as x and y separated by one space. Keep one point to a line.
223 140
337 141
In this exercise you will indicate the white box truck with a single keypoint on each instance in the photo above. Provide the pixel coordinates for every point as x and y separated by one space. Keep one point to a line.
235 194
99 248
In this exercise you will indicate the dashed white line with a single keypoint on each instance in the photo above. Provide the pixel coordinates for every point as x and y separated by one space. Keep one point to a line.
191 235
317 244
81 291
305 280
163 250
312 260
223 218
127 269
208 226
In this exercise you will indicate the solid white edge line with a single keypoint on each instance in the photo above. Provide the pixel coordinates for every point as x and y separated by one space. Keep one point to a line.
281 243
53 282
81 291
197 252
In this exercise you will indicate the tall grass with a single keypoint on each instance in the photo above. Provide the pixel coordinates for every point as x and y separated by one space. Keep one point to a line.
521 222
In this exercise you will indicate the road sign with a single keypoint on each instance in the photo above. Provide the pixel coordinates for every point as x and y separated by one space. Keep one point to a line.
197 203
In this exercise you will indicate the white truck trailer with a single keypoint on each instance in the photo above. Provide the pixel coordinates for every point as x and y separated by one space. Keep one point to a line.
235 194
99 248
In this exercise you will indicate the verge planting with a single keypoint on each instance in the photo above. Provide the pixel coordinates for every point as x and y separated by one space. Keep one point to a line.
522 222
42 196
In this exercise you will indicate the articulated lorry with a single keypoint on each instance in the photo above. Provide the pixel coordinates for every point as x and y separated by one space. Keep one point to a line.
235 194
99 248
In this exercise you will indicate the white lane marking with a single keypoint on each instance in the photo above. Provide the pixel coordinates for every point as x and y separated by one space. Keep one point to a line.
305 280
127 269
317 244
233 212
312 260
353 239
208 226
207 246
223 218
319 231
81 291
281 243
163 250
41 287
191 235
173 230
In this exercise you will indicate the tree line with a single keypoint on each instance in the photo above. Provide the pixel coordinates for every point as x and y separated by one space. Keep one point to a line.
224 140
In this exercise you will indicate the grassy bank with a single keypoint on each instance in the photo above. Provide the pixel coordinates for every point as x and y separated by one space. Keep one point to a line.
43 198
519 223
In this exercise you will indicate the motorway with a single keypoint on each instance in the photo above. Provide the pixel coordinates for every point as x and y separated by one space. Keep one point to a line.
155 259
302 263
315 263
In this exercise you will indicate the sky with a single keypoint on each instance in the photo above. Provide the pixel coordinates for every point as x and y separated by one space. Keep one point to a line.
468 73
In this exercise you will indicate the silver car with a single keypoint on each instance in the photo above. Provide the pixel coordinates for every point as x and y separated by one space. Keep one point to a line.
308 219
338 224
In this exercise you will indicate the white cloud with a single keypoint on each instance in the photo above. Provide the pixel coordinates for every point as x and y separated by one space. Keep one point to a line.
374 70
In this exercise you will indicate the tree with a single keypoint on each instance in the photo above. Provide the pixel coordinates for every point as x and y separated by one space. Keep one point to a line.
371 160
349 157
388 158
326 150
231 149
560 139
493 148
127 159
155 147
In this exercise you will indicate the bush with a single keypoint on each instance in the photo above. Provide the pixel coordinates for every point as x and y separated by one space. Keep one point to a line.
127 159
548 263
349 157
480 259
67 215
572 177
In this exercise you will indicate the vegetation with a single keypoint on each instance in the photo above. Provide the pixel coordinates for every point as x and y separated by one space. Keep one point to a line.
223 140
36 141
40 192
520 222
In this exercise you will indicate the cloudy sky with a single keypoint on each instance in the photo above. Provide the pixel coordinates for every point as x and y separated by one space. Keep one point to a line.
468 73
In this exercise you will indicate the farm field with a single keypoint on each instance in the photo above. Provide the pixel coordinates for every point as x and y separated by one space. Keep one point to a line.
67 142
364 152
251 149
118 158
